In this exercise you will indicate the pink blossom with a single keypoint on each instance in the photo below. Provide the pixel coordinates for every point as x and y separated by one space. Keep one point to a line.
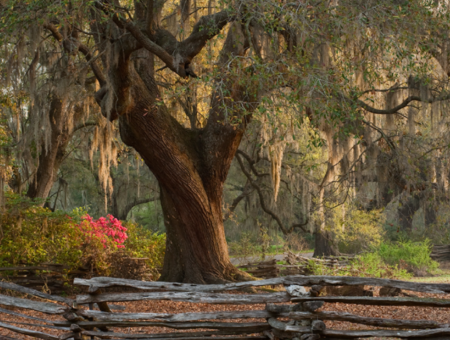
104 229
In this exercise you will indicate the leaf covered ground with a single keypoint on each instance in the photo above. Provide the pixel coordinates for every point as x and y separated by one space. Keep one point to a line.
441 315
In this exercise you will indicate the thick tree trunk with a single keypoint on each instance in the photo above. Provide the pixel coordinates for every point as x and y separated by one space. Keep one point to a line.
191 165
194 253
50 160
191 198
191 182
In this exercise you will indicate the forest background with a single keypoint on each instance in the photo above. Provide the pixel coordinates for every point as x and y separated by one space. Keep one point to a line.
335 114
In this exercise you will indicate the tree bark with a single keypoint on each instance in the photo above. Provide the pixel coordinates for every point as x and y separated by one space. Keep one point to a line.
191 193
50 160
190 165
406 212
323 245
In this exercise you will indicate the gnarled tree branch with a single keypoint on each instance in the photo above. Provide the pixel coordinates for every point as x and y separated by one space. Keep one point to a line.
400 106
69 45
247 190
264 207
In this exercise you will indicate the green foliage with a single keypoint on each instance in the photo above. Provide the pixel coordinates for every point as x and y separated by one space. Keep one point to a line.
360 231
243 248
413 256
372 265
389 260
143 243
149 214
393 232
33 235
366 265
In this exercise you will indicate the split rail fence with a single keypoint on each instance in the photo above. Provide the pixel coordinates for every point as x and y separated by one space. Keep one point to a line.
441 253
291 314
57 278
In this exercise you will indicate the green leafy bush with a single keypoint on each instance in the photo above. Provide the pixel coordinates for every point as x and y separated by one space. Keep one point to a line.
372 265
359 231
32 235
143 243
399 260
365 265
413 256
245 247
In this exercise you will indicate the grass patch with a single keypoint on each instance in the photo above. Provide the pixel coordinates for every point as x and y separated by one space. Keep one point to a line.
432 279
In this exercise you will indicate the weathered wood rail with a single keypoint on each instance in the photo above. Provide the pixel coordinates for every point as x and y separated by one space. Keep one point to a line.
55 277
48 275
291 314
441 253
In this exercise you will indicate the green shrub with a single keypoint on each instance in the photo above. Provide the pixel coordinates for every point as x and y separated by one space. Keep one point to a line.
143 243
389 260
372 265
366 265
413 256
245 247
32 235
359 231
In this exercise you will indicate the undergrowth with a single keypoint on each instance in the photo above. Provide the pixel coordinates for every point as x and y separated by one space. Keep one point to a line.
412 256
366 265
32 235
399 260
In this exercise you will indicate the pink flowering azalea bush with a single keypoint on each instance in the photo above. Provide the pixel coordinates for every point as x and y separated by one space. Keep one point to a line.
109 231
32 235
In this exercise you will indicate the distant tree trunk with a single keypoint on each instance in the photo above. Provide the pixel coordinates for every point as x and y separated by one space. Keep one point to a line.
50 160
323 245
430 216
406 212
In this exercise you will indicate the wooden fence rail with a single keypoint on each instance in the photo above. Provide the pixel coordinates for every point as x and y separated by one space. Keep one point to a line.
441 253
291 314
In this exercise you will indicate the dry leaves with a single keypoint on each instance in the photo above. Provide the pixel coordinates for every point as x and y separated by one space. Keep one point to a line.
394 312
